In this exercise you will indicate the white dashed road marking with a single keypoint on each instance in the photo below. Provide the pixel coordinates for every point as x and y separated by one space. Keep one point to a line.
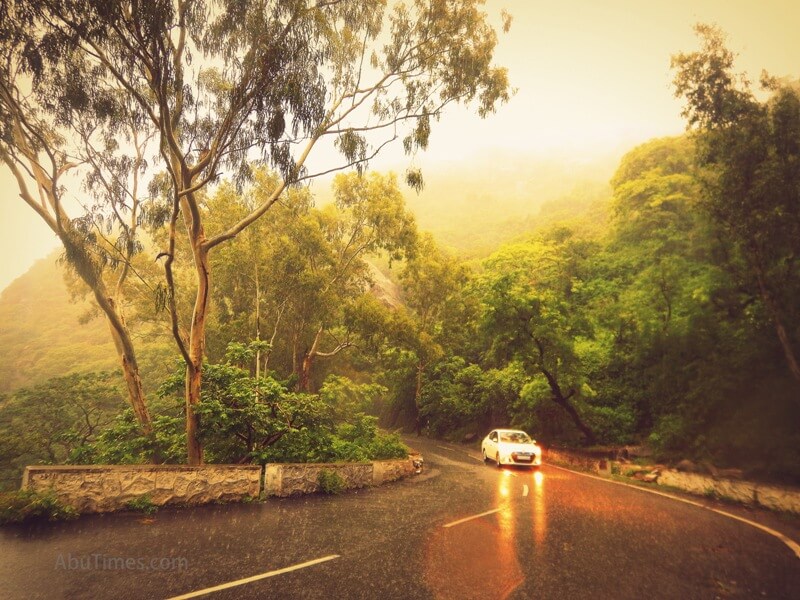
231 584
483 514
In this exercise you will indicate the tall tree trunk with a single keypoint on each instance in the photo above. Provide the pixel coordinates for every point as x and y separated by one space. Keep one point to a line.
258 325
88 272
780 329
130 371
304 383
194 449
562 400
196 351
85 265
417 396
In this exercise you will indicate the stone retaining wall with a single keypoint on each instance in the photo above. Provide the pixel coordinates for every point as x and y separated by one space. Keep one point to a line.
384 471
286 479
773 497
104 488
746 492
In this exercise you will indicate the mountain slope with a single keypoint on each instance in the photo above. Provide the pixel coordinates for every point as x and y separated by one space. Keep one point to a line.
41 335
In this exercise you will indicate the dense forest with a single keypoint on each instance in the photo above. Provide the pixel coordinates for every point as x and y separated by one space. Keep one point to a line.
627 318
251 323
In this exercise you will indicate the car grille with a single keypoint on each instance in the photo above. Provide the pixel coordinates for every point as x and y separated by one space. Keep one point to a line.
522 456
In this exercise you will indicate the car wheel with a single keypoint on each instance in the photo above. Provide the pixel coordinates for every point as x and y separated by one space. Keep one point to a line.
499 466
485 458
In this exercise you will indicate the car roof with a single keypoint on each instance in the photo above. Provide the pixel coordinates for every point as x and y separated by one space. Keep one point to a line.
510 431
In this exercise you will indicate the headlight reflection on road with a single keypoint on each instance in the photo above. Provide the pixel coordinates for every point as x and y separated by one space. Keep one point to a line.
479 555
538 479
503 485
538 509
509 574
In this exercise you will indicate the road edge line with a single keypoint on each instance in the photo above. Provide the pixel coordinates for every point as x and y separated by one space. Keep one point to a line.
793 546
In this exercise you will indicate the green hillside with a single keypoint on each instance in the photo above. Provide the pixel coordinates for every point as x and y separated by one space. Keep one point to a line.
41 334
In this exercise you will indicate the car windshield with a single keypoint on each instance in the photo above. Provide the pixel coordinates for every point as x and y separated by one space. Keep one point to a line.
515 437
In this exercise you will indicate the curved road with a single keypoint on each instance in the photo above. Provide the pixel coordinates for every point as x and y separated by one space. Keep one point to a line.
462 530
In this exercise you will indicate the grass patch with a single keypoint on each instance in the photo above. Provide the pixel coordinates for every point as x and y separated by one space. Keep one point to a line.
143 504
26 505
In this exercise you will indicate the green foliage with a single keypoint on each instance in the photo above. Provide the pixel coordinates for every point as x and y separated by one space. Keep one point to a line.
143 504
123 442
242 416
330 482
455 395
357 440
749 154
361 440
51 422
347 398
26 505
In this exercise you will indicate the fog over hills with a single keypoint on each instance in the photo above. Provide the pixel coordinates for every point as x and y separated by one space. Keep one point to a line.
472 208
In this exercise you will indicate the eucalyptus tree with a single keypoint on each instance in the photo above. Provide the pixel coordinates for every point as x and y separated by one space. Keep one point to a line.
50 148
226 82
303 279
368 218
750 154
257 273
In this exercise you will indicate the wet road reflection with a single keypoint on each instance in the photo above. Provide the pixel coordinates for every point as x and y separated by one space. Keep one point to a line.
538 511
479 557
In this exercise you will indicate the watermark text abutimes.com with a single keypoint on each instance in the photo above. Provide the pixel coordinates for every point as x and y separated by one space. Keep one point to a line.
104 562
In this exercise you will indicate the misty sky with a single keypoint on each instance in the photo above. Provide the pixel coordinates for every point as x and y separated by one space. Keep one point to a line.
592 76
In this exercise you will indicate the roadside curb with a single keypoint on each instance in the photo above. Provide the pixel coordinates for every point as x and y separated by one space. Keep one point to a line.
771 497
793 546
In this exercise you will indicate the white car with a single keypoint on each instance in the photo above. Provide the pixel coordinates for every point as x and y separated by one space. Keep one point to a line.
511 447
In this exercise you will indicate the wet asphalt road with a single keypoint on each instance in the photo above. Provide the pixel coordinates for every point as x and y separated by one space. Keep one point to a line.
554 534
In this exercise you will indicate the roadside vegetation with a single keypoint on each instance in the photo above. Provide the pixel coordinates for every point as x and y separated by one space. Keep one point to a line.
24 506
663 312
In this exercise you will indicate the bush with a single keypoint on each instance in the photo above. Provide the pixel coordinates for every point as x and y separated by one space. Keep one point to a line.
123 442
330 482
359 440
142 504
26 505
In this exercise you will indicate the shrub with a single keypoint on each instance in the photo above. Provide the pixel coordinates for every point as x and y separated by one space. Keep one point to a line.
330 482
26 505
142 504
